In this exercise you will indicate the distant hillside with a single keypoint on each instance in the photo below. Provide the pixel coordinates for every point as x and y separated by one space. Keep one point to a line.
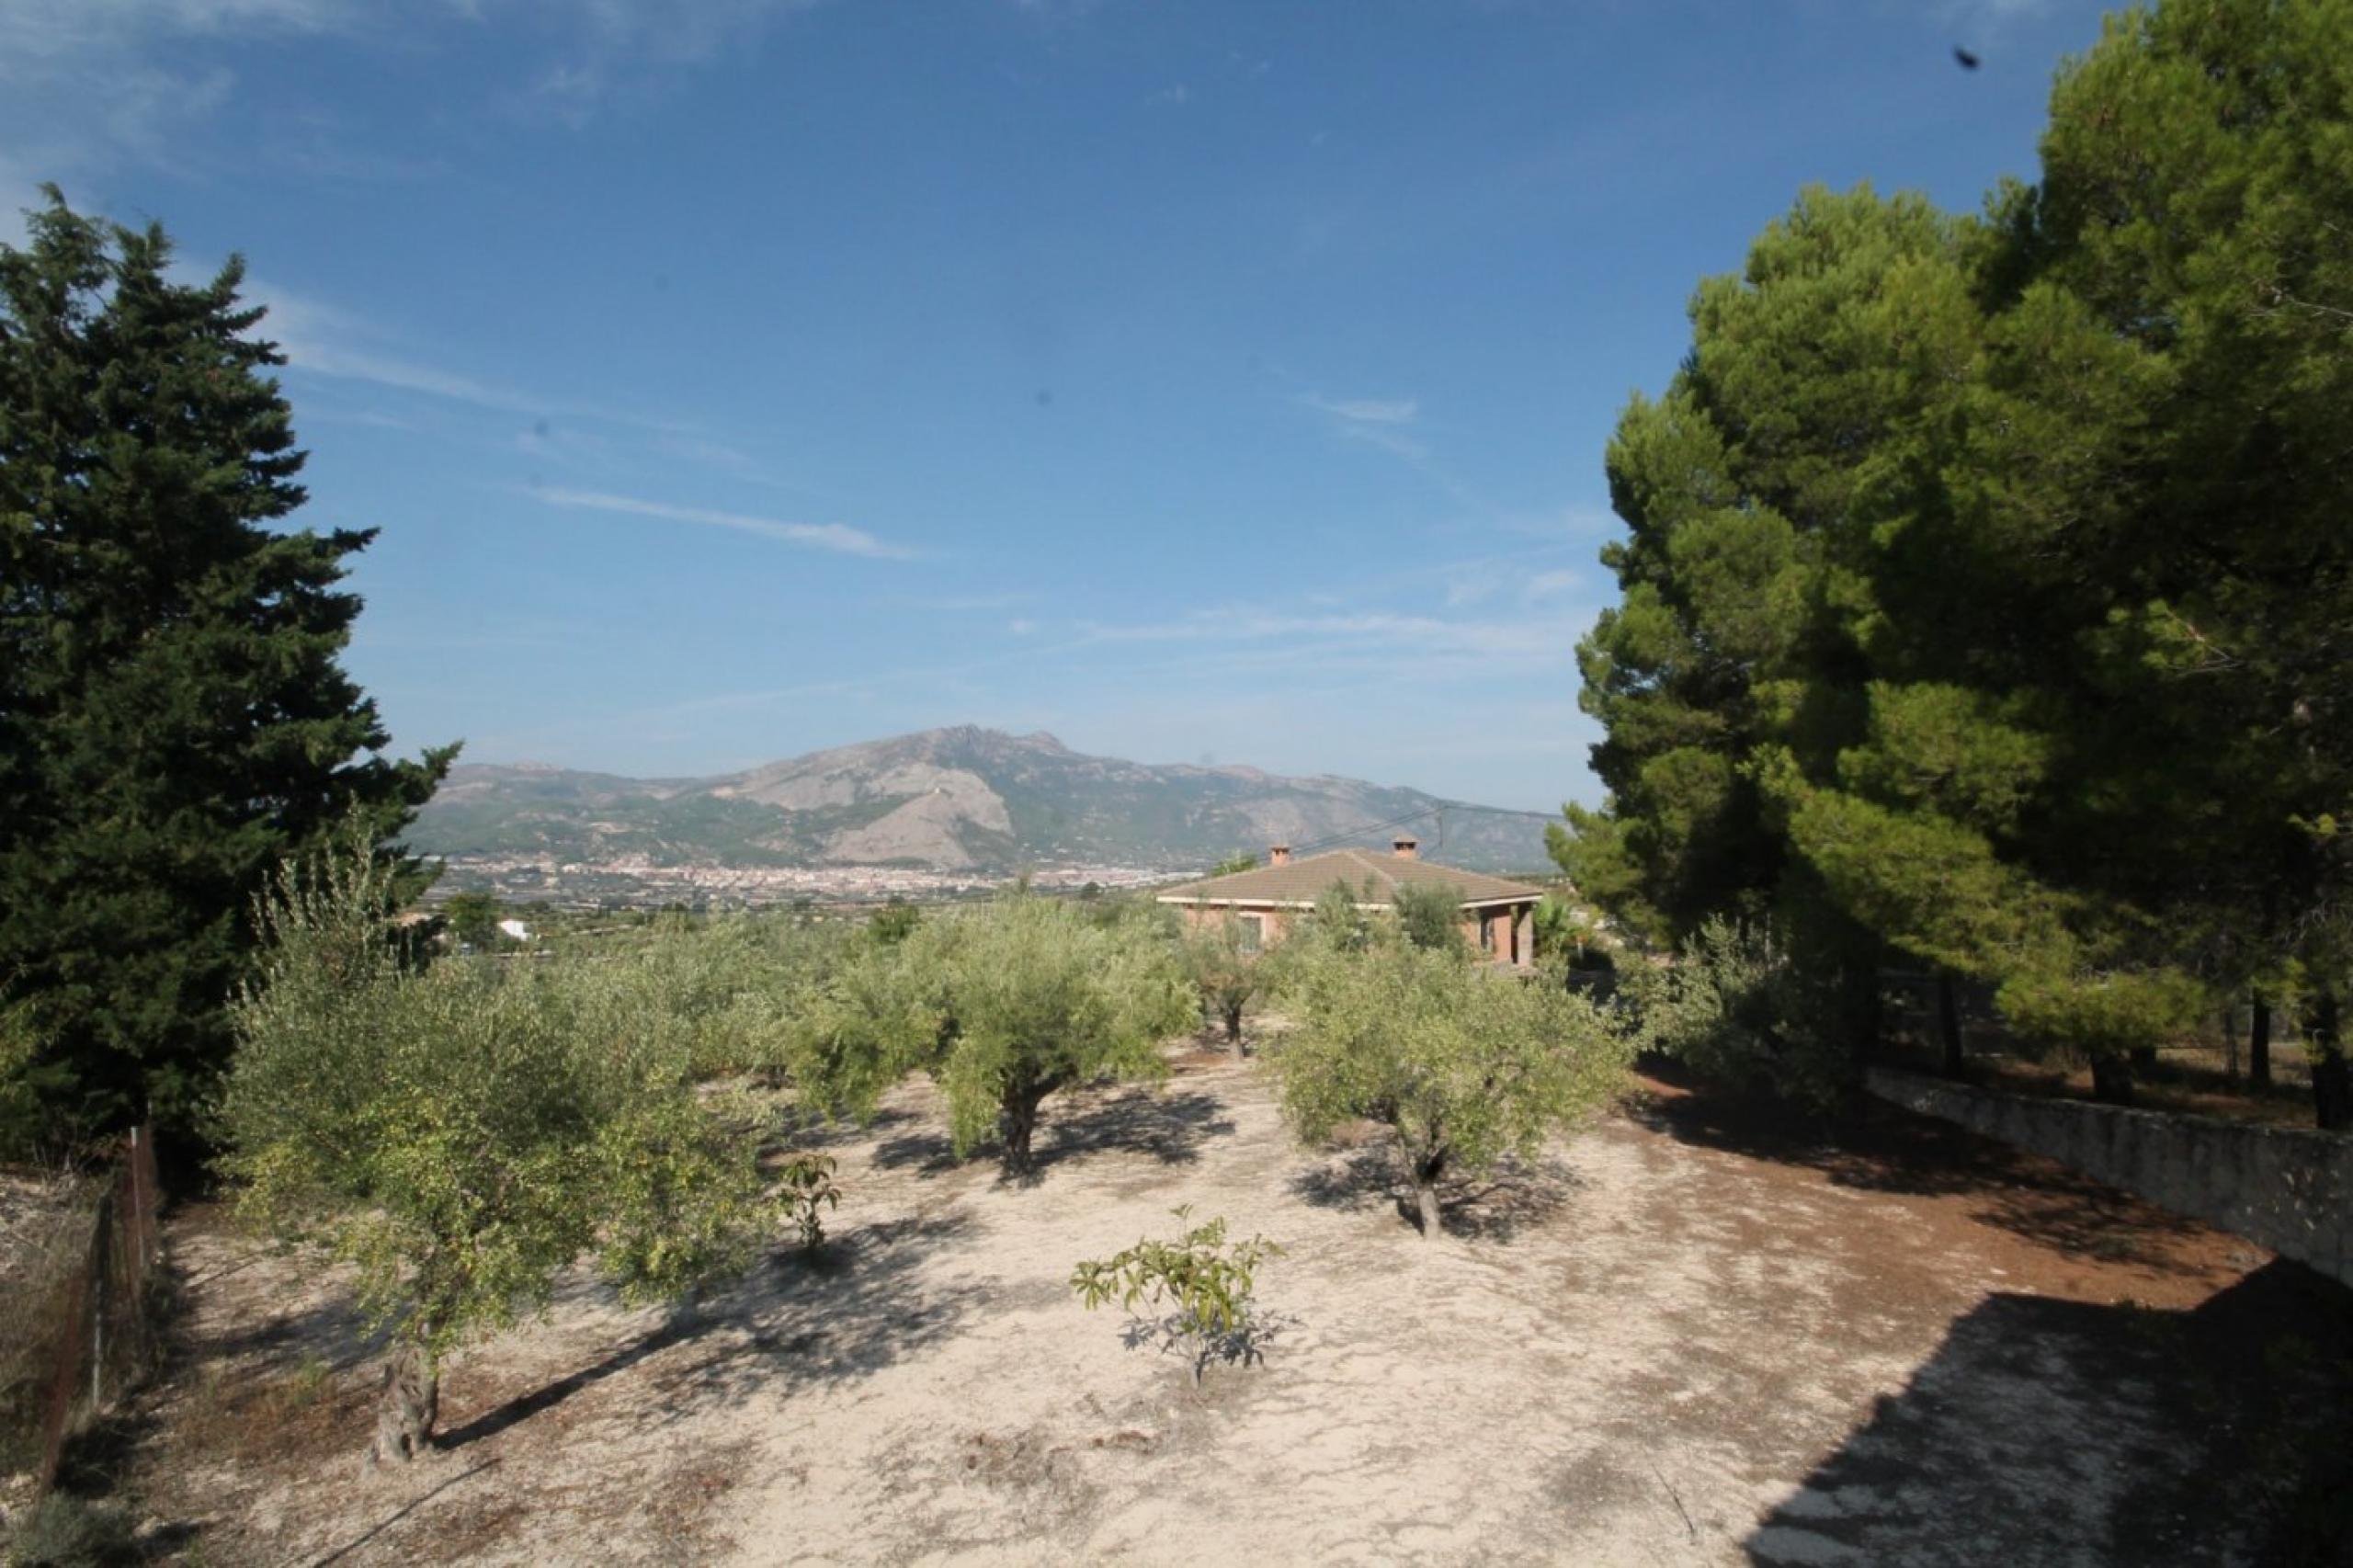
956 800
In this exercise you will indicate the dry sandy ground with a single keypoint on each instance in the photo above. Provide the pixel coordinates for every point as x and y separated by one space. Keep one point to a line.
1677 1341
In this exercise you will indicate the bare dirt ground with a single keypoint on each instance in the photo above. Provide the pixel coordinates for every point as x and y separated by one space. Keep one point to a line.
1683 1338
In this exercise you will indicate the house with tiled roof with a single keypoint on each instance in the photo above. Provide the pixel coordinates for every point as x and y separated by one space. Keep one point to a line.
1270 899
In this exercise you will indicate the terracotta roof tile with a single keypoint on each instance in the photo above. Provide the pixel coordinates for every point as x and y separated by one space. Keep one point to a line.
1302 881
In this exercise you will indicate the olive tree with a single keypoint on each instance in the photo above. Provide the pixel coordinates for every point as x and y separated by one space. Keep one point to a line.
462 1134
1431 917
894 922
725 989
1004 1006
1224 966
1463 1065
1339 920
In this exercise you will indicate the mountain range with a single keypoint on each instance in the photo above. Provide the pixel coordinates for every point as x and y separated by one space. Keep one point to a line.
961 800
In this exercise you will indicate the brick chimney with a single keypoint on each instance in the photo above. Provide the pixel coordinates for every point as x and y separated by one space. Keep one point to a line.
1406 848
1278 855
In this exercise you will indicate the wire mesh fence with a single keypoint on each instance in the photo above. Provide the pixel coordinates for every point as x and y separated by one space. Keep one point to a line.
85 1324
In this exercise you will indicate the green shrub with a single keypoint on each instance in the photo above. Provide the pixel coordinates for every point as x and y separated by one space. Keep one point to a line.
1732 1007
806 1184
1431 918
894 922
1205 1280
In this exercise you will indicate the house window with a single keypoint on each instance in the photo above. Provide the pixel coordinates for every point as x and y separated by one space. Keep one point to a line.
1254 932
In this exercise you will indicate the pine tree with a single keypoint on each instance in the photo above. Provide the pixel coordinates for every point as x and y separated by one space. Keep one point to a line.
2198 195
1739 651
173 717
1989 579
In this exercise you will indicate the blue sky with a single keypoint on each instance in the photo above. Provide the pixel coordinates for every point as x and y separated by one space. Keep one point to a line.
733 378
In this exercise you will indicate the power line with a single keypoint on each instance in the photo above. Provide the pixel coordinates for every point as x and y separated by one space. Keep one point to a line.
1334 840
1313 844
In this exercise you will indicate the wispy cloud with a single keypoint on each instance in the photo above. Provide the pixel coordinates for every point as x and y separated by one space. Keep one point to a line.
323 340
1548 586
49 30
1573 524
1384 422
967 603
835 537
1175 97
706 453
1398 633
327 341
614 444
86 85
97 81
1366 410
606 46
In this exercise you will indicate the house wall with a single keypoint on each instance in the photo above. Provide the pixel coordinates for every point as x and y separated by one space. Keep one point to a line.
1274 924
1505 931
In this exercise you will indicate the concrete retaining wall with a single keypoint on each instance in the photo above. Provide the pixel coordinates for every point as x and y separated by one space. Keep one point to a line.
2289 1189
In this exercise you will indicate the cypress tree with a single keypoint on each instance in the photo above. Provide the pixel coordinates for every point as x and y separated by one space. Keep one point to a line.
174 719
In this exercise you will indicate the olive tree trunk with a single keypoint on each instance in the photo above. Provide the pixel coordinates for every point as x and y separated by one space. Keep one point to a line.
1427 1168
1234 1022
2259 1044
408 1407
1016 1119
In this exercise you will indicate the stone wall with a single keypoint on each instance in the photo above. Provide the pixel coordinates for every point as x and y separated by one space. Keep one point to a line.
2289 1189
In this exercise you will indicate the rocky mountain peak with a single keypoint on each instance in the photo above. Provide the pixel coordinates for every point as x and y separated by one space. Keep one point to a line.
961 797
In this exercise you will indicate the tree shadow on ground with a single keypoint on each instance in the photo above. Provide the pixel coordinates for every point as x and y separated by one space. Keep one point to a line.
1173 1334
1883 1148
1518 1194
838 1315
820 1136
1170 1128
343 1553
335 1331
2047 1430
928 1151
1495 1207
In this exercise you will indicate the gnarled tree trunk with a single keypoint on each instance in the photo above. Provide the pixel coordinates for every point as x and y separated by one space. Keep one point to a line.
409 1406
2112 1078
1016 1119
2259 1044
1427 1169
1234 1022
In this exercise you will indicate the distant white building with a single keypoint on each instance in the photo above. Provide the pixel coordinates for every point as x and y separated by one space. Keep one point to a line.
514 930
